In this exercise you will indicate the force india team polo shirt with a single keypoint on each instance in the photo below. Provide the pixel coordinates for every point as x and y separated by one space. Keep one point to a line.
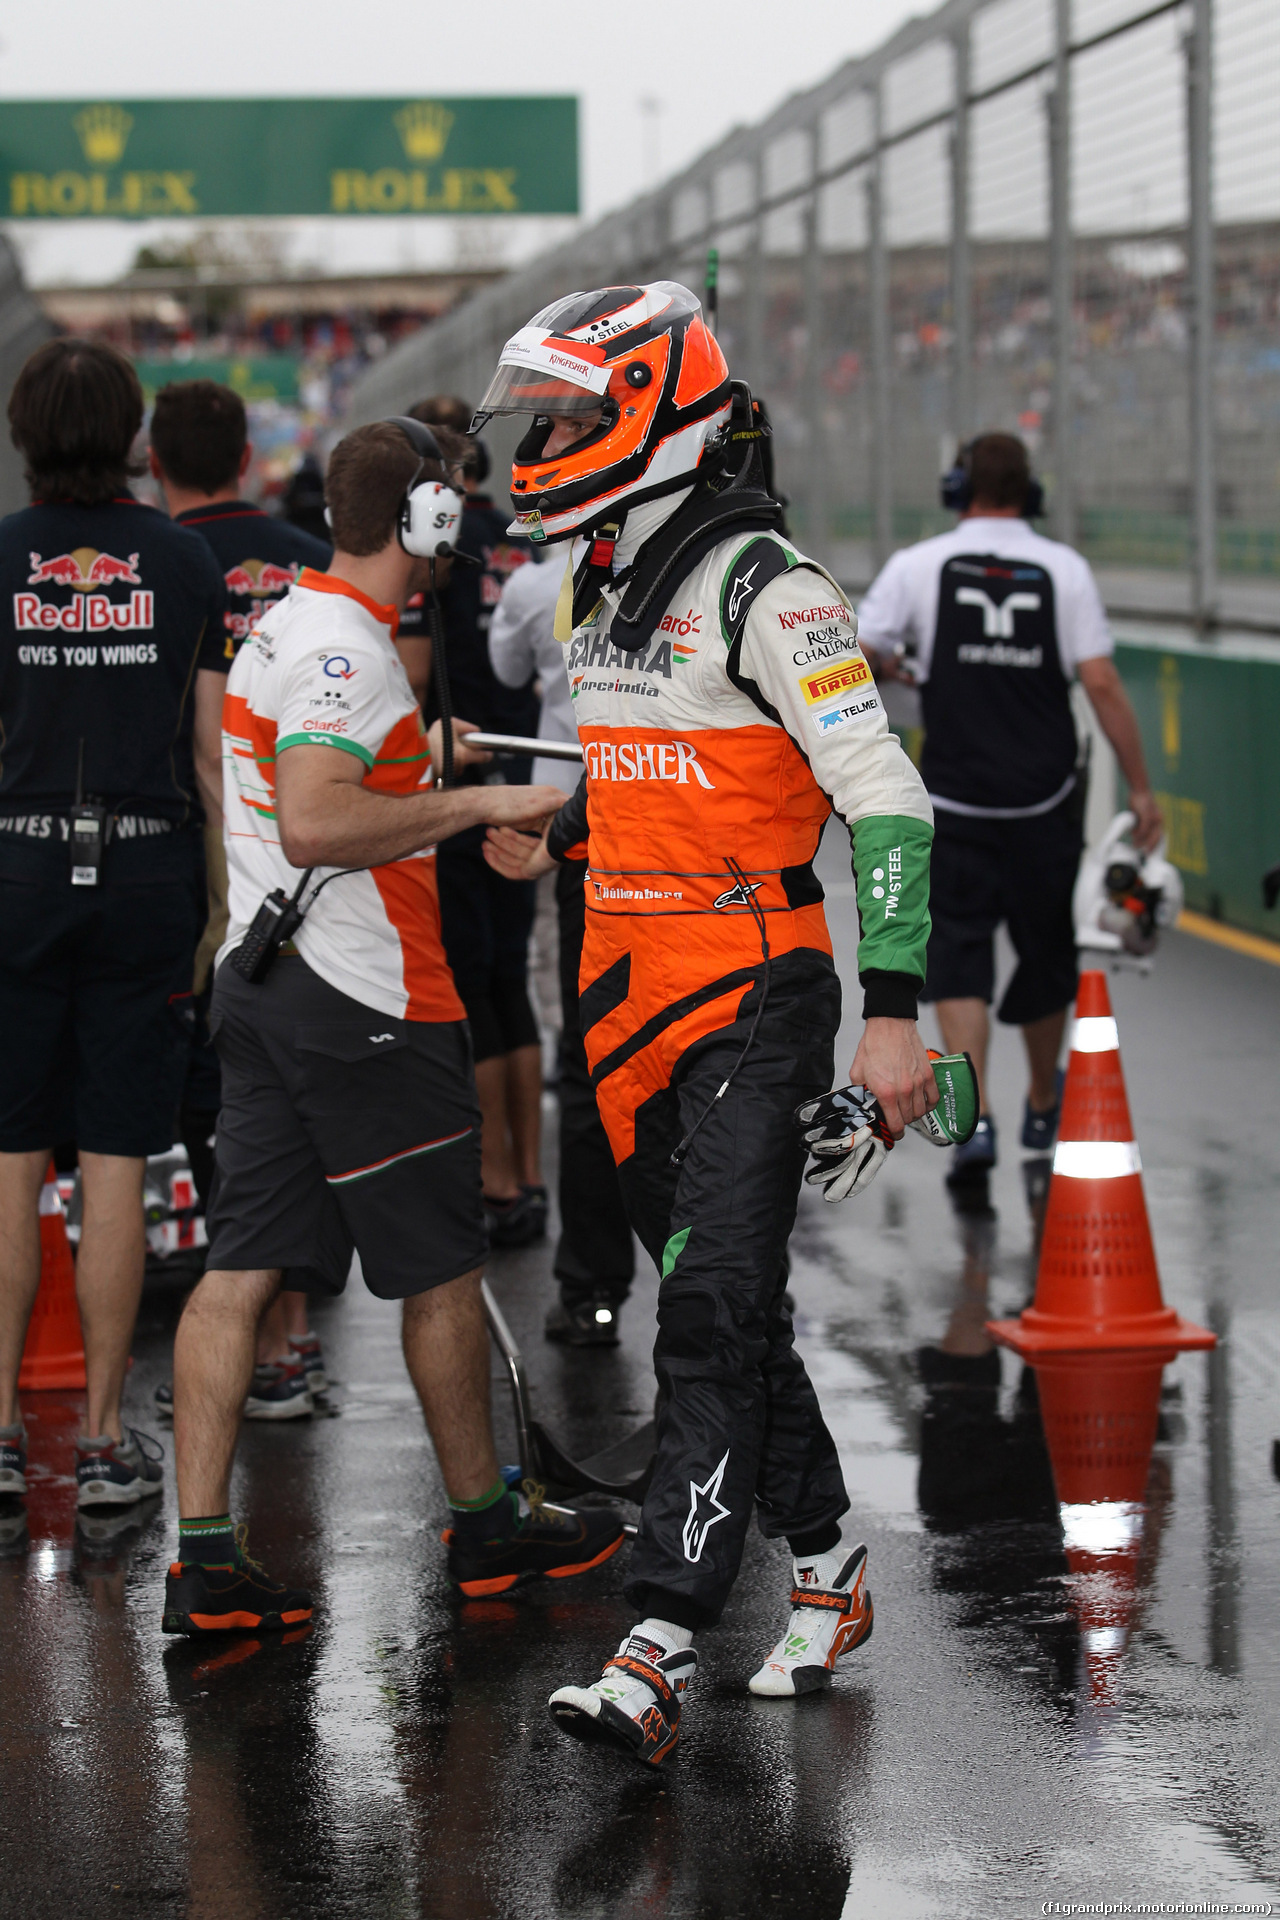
321 670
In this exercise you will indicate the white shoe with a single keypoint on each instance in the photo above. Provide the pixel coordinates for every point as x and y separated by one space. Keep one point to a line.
635 1704
831 1614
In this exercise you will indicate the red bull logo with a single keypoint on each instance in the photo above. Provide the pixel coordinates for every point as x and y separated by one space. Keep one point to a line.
84 569
262 577
88 613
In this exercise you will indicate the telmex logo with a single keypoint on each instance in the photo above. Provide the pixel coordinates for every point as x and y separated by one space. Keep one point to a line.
839 678
812 615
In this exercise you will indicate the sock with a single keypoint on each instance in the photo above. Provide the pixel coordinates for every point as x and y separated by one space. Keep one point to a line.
208 1541
677 1638
820 1570
487 1521
822 1540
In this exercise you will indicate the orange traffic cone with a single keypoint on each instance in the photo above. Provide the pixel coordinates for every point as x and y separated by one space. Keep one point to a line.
54 1353
1099 1412
1098 1287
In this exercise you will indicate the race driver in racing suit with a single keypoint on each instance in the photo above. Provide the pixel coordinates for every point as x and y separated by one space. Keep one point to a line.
724 709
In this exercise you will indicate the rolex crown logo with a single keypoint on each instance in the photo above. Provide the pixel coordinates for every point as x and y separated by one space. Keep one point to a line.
103 132
424 127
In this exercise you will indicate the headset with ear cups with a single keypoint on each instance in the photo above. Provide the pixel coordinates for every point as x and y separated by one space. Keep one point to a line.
427 524
955 487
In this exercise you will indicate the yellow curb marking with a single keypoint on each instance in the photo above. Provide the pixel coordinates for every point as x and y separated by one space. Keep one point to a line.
1253 944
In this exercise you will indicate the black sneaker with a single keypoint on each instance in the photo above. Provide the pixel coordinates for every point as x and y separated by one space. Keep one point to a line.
117 1473
163 1397
518 1222
1040 1130
550 1542
13 1460
200 1599
974 1160
583 1323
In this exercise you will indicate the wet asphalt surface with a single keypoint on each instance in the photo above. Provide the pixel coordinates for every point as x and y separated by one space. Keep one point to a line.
1022 1728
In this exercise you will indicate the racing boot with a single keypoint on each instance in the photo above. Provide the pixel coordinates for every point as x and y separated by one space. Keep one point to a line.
831 1614
522 1537
636 1702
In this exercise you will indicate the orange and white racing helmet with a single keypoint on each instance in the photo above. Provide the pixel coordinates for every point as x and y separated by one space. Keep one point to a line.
644 360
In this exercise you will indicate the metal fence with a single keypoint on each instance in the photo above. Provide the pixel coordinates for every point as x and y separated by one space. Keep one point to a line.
1060 217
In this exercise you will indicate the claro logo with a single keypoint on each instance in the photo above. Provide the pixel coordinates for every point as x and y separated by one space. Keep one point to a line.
651 760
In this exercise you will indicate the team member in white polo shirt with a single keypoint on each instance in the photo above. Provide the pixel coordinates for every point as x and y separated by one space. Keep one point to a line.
349 1115
993 621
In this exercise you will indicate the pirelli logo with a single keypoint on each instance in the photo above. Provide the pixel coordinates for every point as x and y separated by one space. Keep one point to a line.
840 677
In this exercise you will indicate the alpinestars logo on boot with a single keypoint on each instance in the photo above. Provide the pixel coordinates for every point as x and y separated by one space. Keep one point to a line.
705 1508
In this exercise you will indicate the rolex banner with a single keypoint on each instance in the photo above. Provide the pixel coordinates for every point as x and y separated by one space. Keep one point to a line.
141 159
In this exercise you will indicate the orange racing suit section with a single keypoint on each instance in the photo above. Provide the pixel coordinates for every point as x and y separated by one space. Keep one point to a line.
666 913
713 757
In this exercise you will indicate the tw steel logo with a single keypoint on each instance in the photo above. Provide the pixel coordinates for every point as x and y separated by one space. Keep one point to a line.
83 569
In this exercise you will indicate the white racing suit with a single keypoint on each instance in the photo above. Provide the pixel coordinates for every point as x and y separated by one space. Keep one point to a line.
714 755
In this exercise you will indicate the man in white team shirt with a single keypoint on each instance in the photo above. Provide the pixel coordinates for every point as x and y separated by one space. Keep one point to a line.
349 1116
992 622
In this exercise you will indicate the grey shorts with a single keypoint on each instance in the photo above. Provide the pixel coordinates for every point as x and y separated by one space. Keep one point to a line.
341 1129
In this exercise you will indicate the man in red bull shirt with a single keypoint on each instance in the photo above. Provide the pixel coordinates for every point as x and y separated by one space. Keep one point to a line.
200 453
111 681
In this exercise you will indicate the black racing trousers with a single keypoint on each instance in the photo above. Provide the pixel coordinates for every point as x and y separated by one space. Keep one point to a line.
595 1252
738 1421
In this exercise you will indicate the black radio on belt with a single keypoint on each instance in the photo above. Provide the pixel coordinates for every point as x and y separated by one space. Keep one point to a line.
88 837
277 920
87 833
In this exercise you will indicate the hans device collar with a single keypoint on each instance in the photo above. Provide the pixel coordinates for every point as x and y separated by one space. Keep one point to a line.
735 496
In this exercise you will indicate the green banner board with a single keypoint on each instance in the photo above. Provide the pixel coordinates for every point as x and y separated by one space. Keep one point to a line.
1210 719
143 159
256 376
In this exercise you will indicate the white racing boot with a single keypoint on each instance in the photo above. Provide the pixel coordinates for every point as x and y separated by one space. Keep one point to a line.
635 1704
831 1614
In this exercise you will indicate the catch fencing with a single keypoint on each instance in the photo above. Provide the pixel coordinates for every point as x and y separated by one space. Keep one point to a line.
1060 217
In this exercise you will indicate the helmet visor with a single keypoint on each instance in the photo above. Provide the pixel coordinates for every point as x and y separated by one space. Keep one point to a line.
537 375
